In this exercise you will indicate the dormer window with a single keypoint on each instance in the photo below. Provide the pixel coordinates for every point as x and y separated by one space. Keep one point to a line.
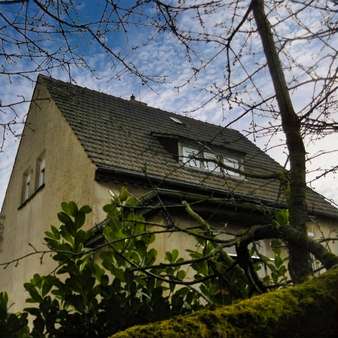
191 157
208 161
40 171
232 163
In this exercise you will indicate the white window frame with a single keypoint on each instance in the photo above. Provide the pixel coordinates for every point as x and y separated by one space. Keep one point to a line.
233 163
211 166
186 151
27 185
40 171
188 154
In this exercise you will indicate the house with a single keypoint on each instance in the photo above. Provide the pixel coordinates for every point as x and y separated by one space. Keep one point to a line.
78 144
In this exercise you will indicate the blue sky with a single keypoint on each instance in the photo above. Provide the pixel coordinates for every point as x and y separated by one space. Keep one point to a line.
159 54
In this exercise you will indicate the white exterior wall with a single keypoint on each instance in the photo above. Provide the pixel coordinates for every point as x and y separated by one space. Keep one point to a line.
69 175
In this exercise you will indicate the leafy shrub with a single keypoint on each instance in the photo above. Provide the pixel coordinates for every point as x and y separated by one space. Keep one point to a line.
101 288
11 325
95 292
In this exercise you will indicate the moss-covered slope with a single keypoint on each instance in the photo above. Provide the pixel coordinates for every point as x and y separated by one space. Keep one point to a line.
306 310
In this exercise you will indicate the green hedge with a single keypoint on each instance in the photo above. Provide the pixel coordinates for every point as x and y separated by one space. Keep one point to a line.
306 310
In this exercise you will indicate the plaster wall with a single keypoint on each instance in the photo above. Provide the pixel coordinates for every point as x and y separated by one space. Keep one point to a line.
319 227
323 228
69 175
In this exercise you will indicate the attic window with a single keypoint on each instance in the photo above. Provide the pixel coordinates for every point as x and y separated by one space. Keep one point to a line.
175 120
205 160
211 162
190 157
232 163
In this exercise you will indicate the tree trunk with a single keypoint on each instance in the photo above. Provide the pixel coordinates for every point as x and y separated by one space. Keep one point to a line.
299 257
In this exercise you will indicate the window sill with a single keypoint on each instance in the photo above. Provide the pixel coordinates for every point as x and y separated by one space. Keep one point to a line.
215 173
31 196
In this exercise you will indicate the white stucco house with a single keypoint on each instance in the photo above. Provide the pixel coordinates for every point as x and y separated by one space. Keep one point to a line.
78 144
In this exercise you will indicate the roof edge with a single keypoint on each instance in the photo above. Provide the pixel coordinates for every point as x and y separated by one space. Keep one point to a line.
104 173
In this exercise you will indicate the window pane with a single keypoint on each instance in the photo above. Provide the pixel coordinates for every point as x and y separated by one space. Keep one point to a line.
42 172
211 165
232 163
189 157
42 177
42 164
27 186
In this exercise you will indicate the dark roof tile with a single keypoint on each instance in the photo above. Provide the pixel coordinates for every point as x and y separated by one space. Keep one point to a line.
117 133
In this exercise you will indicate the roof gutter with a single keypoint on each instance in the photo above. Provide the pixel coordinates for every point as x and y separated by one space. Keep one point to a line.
105 174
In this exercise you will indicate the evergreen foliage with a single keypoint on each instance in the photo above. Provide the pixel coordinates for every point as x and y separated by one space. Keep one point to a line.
97 290
11 325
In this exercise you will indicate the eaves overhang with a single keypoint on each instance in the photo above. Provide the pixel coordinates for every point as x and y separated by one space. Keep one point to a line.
109 173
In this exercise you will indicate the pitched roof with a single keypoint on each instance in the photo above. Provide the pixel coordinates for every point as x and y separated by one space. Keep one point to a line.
118 134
